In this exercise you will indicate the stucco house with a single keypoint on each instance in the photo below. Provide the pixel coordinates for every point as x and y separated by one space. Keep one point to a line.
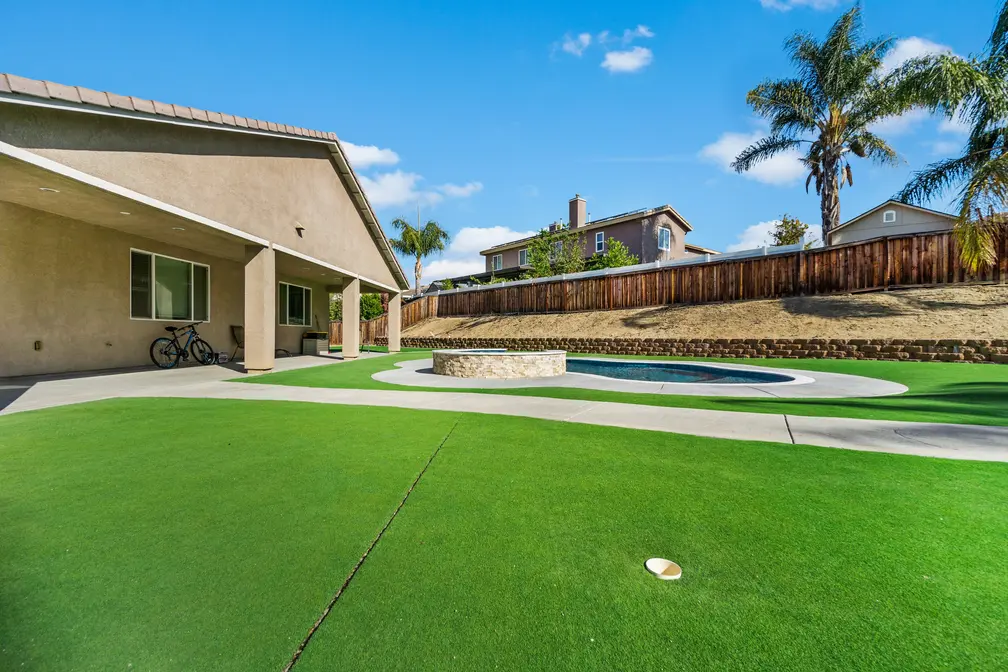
891 218
121 215
653 234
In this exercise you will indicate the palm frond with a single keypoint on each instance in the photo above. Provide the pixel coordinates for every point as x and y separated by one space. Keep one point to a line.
977 240
877 149
934 180
788 103
999 35
763 149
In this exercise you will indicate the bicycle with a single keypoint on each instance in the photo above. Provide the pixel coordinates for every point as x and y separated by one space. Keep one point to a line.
167 352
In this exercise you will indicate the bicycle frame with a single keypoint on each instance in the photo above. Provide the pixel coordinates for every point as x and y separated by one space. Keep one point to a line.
189 331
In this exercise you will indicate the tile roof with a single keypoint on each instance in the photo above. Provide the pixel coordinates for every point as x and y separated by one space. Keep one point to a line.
22 86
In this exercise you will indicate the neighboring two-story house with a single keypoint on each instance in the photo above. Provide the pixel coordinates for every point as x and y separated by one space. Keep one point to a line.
653 234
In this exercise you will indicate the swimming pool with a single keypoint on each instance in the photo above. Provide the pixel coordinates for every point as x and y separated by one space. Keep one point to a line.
673 372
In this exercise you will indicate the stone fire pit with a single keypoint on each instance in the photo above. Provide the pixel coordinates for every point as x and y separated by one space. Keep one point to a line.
502 364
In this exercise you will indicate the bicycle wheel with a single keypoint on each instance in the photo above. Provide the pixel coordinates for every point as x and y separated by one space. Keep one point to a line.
202 352
165 353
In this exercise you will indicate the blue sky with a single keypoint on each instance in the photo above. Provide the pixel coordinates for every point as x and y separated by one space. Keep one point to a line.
492 115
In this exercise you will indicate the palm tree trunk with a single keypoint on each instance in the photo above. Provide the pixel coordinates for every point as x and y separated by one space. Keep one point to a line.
830 202
417 270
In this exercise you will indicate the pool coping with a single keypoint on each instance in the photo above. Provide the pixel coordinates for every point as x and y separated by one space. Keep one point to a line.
805 384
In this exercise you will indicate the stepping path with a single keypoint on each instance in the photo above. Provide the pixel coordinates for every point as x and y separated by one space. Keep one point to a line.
967 442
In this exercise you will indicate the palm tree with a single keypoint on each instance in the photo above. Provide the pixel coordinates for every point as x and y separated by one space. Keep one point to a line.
977 91
829 108
417 242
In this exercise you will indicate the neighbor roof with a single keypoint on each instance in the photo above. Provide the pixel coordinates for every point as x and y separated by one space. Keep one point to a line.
608 221
79 98
891 201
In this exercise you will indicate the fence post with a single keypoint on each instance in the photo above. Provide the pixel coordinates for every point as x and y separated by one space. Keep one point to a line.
885 263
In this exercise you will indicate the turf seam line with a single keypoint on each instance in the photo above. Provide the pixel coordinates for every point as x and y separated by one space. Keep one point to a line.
788 425
332 603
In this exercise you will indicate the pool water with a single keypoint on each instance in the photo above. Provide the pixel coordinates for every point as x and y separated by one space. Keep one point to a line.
672 372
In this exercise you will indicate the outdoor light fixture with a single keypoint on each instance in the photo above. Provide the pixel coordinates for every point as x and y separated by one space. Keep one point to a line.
177 228
123 212
49 189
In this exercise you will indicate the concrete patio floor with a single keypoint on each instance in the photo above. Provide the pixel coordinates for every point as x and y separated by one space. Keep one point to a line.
967 442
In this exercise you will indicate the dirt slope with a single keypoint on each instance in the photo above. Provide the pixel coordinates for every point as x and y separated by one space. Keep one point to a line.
960 312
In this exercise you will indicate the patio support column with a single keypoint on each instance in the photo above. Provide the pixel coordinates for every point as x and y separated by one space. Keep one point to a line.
351 318
260 308
394 322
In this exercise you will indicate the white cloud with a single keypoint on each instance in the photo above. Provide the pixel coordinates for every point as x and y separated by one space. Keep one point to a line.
911 47
899 125
460 191
365 156
397 188
788 5
754 236
640 31
439 269
956 124
782 169
401 188
945 147
463 254
628 61
473 239
576 45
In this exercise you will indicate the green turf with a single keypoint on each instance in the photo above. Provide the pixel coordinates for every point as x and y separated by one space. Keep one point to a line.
210 544
939 392
217 543
523 545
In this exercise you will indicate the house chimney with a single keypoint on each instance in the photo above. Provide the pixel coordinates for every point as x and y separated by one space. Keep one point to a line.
578 212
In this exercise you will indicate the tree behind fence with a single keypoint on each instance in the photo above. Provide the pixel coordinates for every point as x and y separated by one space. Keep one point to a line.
883 263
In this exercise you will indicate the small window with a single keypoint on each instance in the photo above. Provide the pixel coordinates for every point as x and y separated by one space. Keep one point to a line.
600 241
497 262
169 289
522 257
664 238
557 249
889 217
294 305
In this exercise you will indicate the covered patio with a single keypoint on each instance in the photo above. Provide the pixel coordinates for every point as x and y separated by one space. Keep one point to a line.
75 240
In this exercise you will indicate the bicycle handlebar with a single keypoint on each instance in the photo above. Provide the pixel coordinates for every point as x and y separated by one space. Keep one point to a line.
188 326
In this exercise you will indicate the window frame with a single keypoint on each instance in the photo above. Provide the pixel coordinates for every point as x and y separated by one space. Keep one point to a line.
668 245
153 286
496 262
308 304
885 215
599 241
523 253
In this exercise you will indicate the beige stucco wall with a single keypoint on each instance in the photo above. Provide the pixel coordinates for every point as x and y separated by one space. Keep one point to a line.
639 235
66 283
261 185
908 222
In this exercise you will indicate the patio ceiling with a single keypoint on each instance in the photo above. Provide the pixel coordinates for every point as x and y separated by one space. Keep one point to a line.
58 191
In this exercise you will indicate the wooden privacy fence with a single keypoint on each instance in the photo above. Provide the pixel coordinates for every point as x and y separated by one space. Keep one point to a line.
883 263
377 328
927 259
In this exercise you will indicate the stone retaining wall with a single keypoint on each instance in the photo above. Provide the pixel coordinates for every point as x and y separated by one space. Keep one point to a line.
945 350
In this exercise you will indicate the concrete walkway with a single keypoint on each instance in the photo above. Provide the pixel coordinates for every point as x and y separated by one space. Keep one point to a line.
966 442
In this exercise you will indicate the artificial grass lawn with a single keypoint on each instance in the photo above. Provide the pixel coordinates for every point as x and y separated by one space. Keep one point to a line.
939 391
189 535
521 548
